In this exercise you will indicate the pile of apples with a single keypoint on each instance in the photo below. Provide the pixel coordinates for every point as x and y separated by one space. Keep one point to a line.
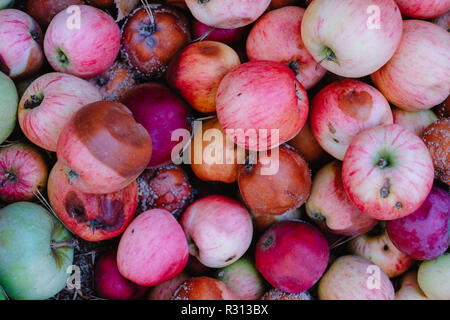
110 110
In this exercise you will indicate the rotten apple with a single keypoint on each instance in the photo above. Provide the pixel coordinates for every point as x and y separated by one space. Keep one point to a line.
436 137
203 288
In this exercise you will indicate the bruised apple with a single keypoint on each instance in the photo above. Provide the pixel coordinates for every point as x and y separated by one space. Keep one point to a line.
436 137
203 288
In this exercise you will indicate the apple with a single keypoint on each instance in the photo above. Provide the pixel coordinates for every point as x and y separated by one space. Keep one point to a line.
262 222
307 145
49 103
330 207
92 217
196 71
23 172
230 37
110 284
281 28
219 230
85 49
139 256
243 279
165 290
276 4
436 137
20 44
103 149
204 288
276 105
3 295
434 277
410 289
355 278
6 4
425 233
443 110
443 21
43 11
352 38
8 106
275 294
387 172
104 4
423 9
227 14
292 256
36 251
425 46
414 121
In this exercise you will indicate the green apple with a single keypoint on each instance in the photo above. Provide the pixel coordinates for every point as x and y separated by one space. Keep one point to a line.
9 101
35 252
3 295
6 4
434 277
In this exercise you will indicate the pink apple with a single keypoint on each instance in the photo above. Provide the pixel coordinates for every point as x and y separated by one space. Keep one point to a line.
426 47
387 172
84 42
410 289
219 230
276 105
342 110
329 206
166 289
228 36
49 103
352 38
153 248
423 9
414 121
20 44
292 256
229 14
281 28
425 233
355 278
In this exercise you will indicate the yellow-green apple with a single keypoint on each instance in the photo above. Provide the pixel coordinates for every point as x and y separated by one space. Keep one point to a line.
307 145
425 233
425 46
353 277
423 9
434 277
329 206
227 14
414 121
140 257
230 37
20 44
443 21
49 103
276 105
196 71
166 289
36 251
352 38
387 172
8 106
23 172
102 148
437 139
281 28
203 288
292 256
342 110
275 294
410 289
219 230
83 43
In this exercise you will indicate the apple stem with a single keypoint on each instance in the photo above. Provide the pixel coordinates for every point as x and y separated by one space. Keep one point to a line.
203 36
149 11
55 245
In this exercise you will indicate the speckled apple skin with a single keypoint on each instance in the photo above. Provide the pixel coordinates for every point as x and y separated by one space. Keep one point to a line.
423 9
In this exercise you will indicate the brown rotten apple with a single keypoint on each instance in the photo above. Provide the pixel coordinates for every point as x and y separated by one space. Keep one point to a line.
103 149
203 288
437 137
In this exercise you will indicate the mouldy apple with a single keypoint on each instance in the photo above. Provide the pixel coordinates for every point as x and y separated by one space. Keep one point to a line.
165 290
414 121
49 103
434 277
387 172
423 9
35 252
436 137
204 288
410 289
275 294
8 106
43 11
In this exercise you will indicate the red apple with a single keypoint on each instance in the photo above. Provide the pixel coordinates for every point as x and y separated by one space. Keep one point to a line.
275 294
281 28
437 137
228 36
292 256
153 248
204 288
423 9
101 3
410 289
166 289
425 46
414 121
342 110
43 11
387 172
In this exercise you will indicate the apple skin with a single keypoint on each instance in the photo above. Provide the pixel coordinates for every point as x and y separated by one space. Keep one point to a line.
92 217
43 11
262 222
165 290
3 295
443 21
227 14
425 46
139 256
30 269
103 149
273 99
410 289
336 43
414 121
23 171
342 110
348 278
20 44
437 137
203 288
281 28
329 206
307 145
110 284
86 51
423 9
230 37
382 166
425 233
8 106
219 230
292 256
49 103
275 294
434 277
196 71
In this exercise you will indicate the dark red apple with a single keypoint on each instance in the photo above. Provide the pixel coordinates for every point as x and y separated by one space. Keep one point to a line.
228 36
43 11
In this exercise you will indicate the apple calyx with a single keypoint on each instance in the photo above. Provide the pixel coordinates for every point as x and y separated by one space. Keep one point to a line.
34 101
72 175
319 216
203 1
9 177
294 65
56 245
35 35
62 58
329 55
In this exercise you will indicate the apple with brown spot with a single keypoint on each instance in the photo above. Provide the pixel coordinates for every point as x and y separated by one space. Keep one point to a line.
166 290
204 288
